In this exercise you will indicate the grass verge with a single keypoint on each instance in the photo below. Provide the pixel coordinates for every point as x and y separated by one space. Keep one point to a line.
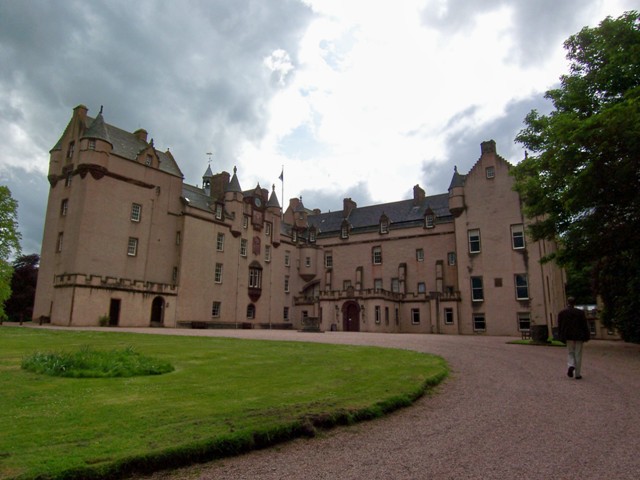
225 397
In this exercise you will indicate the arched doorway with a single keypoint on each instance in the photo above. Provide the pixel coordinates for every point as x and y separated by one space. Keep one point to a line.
157 312
351 317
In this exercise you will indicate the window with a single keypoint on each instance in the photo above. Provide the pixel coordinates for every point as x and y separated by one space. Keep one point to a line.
251 311
178 237
68 178
286 284
215 309
218 211
328 260
148 160
220 242
294 236
490 172
451 258
415 316
245 222
346 284
474 241
386 315
218 273
255 277
477 292
384 225
377 284
267 253
376 255
344 231
243 247
267 229
287 258
174 275
136 212
92 144
448 316
71 149
420 255
517 236
524 322
522 286
132 247
429 221
422 288
312 235
59 243
307 262
479 323
64 207
395 285
377 313
285 314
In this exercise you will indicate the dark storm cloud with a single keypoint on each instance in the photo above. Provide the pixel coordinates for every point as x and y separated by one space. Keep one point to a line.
538 26
463 142
191 73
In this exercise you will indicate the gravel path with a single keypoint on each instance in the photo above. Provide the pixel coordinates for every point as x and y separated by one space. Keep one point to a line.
506 412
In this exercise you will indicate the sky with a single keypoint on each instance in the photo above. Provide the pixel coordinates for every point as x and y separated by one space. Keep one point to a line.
347 98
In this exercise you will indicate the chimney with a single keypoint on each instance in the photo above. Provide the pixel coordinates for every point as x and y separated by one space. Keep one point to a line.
141 134
348 206
418 195
488 147
81 112
218 183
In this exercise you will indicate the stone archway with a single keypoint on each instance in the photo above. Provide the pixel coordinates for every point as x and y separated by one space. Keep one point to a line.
157 312
351 316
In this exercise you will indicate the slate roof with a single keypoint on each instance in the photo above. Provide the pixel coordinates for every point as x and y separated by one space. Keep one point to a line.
125 144
403 213
196 197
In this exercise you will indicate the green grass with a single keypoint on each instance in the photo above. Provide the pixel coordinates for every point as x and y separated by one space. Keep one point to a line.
90 363
224 397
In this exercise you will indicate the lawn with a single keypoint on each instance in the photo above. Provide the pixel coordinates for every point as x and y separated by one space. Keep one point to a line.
224 396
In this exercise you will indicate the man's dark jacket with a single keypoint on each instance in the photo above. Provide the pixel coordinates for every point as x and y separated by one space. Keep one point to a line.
573 325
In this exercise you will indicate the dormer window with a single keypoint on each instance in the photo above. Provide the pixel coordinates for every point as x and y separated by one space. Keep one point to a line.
92 144
148 161
294 236
384 224
218 211
344 230
312 235
429 220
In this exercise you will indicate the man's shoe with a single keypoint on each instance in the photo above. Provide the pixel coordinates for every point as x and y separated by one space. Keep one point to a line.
578 377
570 372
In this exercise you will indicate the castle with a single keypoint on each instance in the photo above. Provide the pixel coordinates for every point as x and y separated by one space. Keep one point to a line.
127 242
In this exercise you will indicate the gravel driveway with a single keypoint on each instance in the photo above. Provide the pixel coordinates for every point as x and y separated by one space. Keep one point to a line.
506 412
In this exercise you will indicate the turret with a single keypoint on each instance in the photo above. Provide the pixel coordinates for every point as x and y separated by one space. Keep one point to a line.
456 194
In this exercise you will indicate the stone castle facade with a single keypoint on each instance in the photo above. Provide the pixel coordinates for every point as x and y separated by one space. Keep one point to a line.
127 242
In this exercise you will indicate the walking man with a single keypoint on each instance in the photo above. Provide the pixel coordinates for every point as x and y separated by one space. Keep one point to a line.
573 329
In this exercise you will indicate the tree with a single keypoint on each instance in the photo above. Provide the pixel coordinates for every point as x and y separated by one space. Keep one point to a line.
582 181
23 287
9 243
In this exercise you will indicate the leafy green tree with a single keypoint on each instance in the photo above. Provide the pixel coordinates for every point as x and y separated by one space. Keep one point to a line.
9 243
23 287
582 180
